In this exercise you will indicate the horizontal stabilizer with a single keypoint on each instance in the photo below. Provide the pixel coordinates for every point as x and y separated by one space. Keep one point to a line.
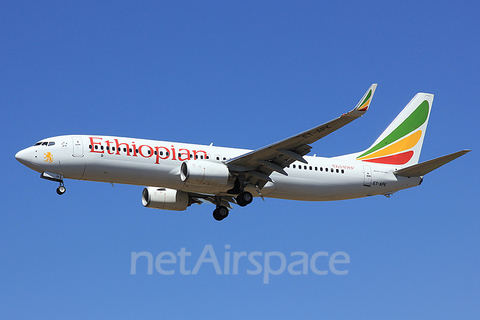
423 168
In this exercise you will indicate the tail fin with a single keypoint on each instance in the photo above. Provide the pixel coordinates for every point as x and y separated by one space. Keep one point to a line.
401 143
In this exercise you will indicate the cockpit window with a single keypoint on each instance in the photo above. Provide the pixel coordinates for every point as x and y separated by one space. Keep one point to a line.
44 143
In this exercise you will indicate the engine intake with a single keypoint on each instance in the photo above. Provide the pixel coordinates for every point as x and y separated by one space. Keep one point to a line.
166 199
204 173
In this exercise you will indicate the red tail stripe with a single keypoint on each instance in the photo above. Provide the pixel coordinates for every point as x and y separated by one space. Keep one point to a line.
400 158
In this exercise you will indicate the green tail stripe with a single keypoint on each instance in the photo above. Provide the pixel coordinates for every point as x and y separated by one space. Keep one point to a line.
367 97
414 120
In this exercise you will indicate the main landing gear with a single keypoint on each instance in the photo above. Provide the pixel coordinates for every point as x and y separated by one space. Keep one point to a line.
244 198
220 213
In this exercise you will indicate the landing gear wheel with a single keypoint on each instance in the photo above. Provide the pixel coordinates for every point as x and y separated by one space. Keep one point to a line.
244 199
61 190
220 213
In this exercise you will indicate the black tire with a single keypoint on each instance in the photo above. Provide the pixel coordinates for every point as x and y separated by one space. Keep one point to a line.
61 190
222 212
216 216
244 199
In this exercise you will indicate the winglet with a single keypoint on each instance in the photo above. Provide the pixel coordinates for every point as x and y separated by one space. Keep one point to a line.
364 103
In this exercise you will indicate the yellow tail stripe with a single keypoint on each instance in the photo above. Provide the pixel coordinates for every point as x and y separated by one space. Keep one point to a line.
365 105
399 146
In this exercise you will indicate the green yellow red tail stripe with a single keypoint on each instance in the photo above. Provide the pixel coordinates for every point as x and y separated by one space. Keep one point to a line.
366 102
398 146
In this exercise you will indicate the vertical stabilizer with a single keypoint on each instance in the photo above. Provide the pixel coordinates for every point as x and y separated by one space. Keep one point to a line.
401 143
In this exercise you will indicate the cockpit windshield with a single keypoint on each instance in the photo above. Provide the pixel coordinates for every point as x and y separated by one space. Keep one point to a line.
45 143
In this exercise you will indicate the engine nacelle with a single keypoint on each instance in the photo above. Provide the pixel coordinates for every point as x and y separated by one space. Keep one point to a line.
166 199
204 173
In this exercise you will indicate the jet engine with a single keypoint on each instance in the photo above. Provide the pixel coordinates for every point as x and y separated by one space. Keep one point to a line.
166 199
204 173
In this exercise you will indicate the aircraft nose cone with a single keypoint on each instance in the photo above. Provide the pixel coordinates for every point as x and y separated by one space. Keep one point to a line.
23 156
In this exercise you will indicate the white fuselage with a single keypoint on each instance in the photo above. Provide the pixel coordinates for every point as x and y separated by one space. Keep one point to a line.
157 163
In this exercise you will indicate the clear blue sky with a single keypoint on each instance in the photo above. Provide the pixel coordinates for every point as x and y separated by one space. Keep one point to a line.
239 74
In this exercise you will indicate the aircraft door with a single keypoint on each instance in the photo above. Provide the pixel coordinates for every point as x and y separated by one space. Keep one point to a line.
77 146
367 176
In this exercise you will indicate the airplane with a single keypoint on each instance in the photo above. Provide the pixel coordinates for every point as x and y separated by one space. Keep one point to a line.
178 175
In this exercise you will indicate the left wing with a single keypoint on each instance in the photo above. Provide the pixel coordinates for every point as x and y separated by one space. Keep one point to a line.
257 165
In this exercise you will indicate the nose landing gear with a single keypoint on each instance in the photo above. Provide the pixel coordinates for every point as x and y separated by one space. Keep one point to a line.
57 178
61 189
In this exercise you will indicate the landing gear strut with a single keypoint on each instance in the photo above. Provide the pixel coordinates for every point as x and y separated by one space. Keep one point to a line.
220 213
